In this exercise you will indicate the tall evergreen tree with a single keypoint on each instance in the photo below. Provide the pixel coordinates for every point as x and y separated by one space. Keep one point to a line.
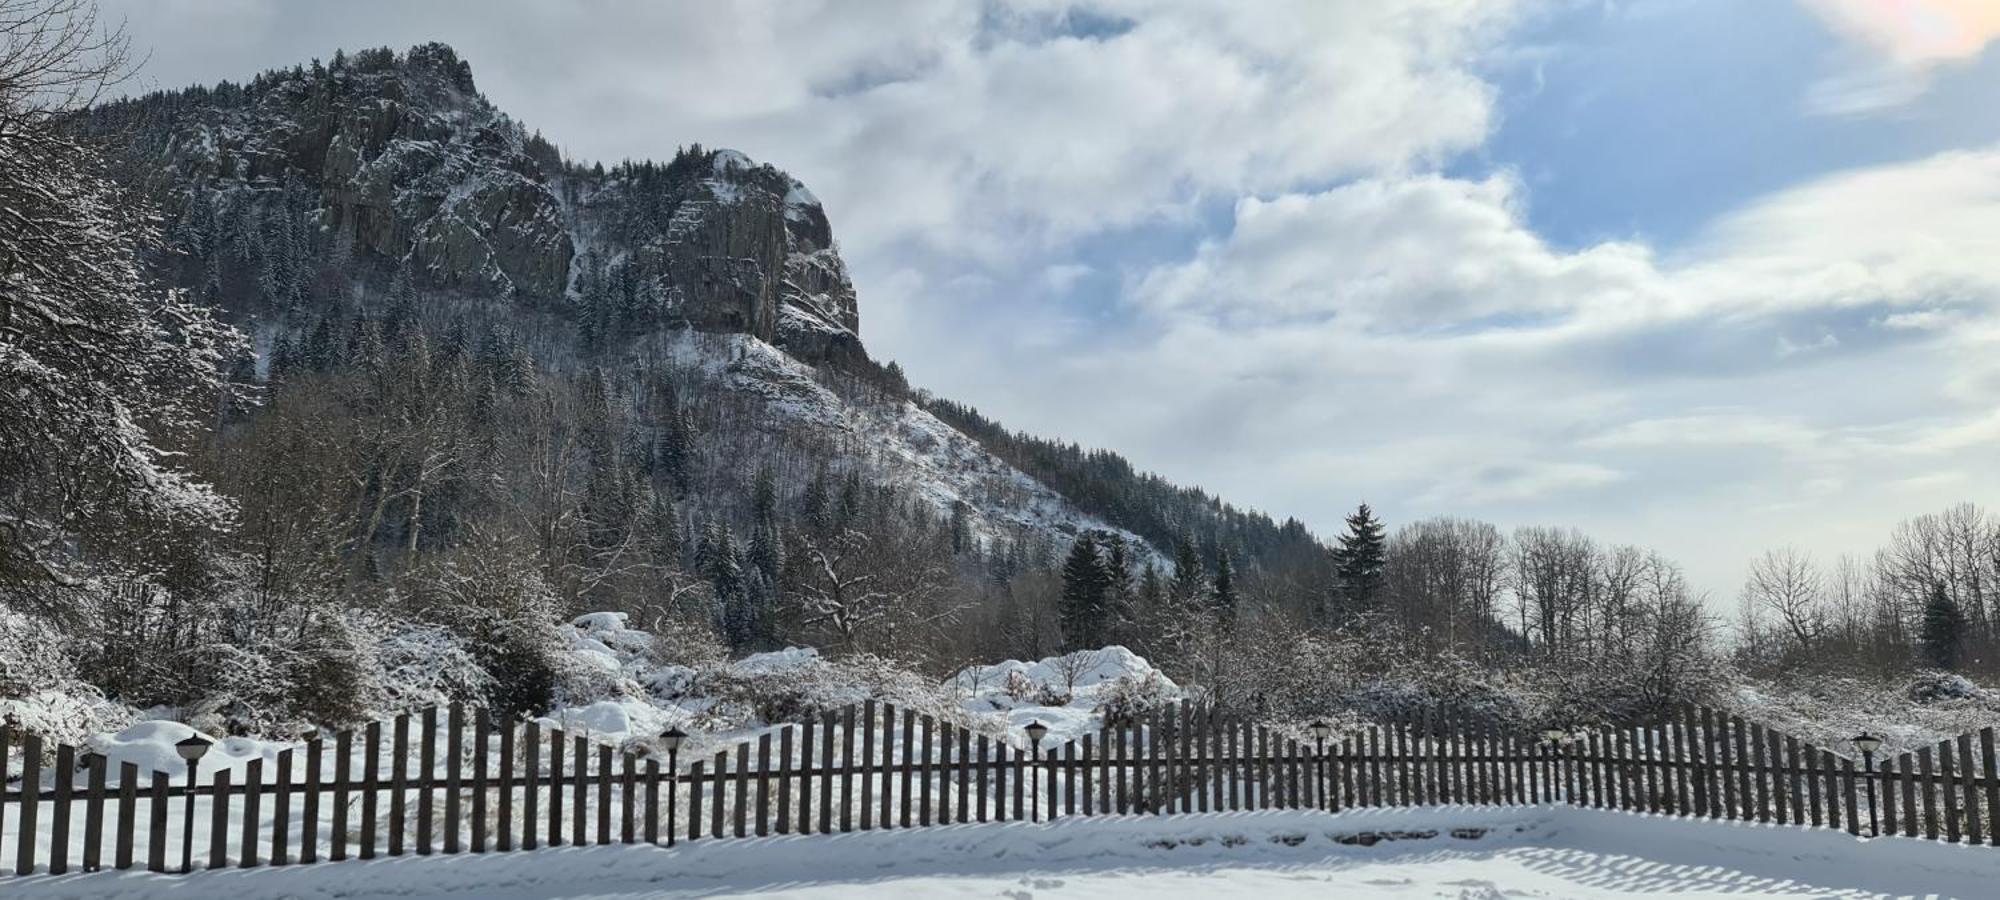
962 541
673 437
1190 581
1082 613
659 528
1223 600
767 549
1943 632
816 505
1149 606
1360 559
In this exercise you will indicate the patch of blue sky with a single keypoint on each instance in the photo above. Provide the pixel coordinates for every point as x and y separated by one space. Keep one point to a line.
1646 120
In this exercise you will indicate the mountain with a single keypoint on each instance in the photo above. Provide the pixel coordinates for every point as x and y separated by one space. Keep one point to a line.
488 342
399 160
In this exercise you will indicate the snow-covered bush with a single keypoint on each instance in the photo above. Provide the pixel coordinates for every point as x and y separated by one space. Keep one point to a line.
427 665
39 691
679 641
249 689
1018 685
494 597
33 656
1127 700
518 655
1931 688
799 685
1447 689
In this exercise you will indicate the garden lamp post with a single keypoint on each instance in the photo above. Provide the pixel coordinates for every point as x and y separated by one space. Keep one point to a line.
671 740
1868 744
191 750
1036 731
1320 730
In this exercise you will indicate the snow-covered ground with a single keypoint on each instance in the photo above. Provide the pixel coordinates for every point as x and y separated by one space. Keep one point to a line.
1450 852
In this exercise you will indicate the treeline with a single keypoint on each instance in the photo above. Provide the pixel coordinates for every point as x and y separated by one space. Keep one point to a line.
1930 597
1105 484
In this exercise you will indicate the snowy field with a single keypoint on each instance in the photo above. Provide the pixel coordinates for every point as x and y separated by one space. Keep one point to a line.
1451 853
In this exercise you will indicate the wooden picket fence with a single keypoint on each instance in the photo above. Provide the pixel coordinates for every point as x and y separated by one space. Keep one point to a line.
471 784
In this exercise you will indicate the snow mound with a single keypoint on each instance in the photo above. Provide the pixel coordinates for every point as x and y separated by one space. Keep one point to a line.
150 746
1070 693
790 659
1078 671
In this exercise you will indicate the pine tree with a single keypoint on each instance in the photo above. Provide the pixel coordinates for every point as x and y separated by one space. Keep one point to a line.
1149 605
1223 600
767 548
816 506
1190 586
962 541
673 437
659 528
1082 613
1943 631
850 503
719 561
1360 558
1118 598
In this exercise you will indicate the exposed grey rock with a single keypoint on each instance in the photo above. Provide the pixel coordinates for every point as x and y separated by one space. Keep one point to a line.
408 164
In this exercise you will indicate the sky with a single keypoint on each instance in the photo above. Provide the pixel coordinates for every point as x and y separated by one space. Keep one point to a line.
1706 276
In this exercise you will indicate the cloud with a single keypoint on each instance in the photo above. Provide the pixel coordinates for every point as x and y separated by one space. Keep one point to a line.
1515 483
1424 347
1901 43
1402 252
1915 32
1445 256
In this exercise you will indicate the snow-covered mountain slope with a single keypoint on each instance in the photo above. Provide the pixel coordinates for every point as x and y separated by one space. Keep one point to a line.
894 442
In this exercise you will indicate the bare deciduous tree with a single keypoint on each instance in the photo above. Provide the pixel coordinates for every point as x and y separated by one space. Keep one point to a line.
1785 586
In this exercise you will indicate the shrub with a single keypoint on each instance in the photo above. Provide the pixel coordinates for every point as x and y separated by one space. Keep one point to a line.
1934 687
1125 701
1019 686
426 665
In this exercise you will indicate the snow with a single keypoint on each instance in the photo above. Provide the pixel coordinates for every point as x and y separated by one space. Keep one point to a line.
797 201
726 159
786 660
1013 689
1104 666
1829 710
1461 852
150 746
899 442
800 196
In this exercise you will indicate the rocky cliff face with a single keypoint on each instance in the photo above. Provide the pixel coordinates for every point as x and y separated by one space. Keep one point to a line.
397 160
720 242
